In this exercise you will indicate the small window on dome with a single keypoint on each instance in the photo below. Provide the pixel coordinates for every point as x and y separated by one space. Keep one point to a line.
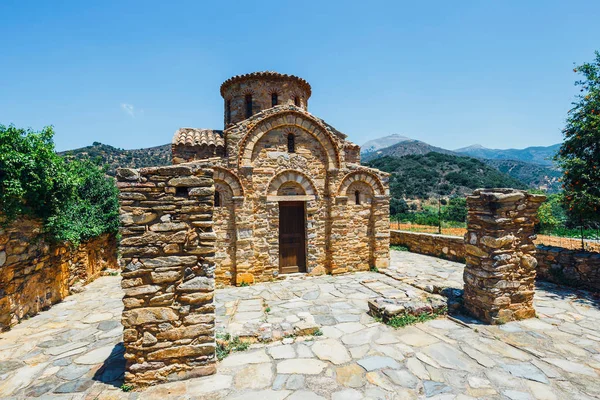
228 111
291 143
297 101
248 105
274 99
357 197
217 199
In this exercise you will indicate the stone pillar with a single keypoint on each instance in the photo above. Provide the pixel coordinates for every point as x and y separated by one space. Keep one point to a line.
381 231
500 254
167 250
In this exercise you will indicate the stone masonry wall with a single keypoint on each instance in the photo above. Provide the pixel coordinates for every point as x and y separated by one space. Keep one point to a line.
168 250
442 246
569 267
555 264
34 274
287 90
500 255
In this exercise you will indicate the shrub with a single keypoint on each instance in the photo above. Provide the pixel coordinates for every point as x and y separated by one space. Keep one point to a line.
456 210
74 199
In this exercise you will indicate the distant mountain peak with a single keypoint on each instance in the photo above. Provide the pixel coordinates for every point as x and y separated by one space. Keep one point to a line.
383 142
476 146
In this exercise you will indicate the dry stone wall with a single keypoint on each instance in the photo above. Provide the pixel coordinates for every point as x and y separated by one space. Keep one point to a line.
569 267
500 254
442 246
34 274
168 252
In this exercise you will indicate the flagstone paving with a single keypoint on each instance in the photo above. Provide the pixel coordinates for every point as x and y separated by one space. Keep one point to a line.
555 356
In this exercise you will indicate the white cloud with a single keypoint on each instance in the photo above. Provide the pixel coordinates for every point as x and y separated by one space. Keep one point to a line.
129 109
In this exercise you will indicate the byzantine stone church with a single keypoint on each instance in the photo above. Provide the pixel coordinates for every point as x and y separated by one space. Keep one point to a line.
290 193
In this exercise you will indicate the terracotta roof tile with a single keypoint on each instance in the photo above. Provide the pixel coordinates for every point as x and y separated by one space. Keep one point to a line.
198 137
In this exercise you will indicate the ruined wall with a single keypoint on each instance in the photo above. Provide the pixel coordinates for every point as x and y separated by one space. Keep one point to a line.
442 246
34 274
168 249
569 267
500 255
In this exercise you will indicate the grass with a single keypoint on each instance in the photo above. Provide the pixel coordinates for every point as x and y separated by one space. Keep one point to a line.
373 269
226 344
244 284
318 332
126 388
398 248
400 321
268 309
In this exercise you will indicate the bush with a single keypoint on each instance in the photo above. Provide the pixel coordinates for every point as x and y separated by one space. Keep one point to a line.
456 210
74 199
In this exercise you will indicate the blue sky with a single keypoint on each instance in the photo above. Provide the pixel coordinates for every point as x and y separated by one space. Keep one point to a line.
129 73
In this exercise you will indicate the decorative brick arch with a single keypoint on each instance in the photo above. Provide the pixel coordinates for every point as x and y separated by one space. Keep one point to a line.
290 175
289 118
362 176
229 178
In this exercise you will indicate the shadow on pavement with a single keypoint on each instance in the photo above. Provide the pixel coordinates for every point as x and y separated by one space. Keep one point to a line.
112 372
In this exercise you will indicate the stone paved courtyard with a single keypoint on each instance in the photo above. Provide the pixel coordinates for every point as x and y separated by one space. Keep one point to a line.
73 350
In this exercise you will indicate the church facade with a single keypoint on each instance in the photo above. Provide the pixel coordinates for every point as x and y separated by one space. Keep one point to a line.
290 193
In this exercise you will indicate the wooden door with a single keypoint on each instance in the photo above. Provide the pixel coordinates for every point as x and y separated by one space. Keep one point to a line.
292 237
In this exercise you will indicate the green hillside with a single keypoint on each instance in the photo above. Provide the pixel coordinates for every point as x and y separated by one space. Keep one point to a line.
114 158
426 175
533 175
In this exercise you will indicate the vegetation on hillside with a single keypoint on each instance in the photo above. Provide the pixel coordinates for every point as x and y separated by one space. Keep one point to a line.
113 158
448 213
75 199
533 175
434 174
404 148
579 155
541 155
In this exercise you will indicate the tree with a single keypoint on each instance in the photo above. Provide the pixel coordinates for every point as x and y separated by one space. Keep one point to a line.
579 155
456 210
551 213
398 206
73 198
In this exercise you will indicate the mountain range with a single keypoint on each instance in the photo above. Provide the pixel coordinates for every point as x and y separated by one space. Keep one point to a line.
537 155
531 166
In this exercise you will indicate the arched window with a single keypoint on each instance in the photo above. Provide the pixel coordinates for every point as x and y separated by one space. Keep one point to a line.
217 199
248 105
297 101
228 111
357 197
291 143
274 99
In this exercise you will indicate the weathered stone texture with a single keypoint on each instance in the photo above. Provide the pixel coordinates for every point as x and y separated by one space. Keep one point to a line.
500 255
569 267
442 246
261 86
168 249
34 273
258 172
